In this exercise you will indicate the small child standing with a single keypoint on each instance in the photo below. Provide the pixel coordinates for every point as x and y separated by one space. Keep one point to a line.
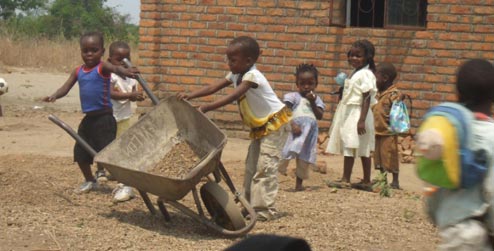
123 93
98 127
124 89
386 152
307 108
465 216
263 112
352 130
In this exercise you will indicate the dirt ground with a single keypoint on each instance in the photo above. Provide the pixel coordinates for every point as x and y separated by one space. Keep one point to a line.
40 211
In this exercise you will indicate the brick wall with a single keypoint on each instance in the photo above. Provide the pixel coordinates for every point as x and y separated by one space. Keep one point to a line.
182 45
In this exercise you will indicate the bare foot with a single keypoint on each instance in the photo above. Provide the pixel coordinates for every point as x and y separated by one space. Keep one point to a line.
298 184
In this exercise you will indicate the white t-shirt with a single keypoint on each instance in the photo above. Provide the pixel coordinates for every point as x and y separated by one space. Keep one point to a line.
122 108
262 100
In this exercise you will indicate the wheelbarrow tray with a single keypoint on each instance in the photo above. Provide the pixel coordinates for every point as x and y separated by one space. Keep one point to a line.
130 157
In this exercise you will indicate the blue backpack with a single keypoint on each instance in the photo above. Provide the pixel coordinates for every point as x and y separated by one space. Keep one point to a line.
456 164
399 118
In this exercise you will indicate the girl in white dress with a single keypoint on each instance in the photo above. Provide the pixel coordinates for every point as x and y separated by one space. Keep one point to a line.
352 130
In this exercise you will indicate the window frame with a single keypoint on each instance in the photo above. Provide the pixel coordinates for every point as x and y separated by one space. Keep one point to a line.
347 18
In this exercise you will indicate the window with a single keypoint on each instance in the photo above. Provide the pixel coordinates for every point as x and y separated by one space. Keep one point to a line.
411 14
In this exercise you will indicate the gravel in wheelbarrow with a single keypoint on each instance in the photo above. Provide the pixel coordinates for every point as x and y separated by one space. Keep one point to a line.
179 161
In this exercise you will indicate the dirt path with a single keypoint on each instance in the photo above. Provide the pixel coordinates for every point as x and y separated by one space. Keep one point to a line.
40 211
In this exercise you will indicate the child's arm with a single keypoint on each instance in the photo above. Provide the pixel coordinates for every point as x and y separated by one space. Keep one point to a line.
363 113
235 95
205 91
315 109
295 128
62 91
132 96
107 68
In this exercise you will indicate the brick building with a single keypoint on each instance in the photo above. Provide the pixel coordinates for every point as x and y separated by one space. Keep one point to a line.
182 43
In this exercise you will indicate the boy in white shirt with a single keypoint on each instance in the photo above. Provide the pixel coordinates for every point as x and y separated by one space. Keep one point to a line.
124 91
262 111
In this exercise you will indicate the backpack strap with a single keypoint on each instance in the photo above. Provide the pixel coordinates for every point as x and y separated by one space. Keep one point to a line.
410 107
459 115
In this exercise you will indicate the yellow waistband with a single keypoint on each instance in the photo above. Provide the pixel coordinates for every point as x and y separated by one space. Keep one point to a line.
275 121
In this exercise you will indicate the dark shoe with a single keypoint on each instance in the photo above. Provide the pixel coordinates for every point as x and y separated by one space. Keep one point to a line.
363 186
395 186
339 184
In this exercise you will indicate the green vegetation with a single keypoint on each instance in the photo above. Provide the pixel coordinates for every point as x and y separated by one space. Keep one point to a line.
381 184
66 19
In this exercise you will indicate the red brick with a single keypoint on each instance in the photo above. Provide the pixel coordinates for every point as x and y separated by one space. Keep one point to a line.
204 18
451 97
197 25
296 29
178 71
482 46
436 26
484 29
274 12
246 3
456 9
461 28
215 10
266 4
237 27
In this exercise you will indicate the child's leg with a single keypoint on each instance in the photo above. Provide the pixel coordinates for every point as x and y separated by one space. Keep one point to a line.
122 126
366 168
390 160
264 185
395 183
283 167
251 166
103 132
86 171
347 168
301 173
298 184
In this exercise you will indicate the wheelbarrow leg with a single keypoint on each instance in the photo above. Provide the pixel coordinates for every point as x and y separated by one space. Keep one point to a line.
163 210
147 201
197 201
227 178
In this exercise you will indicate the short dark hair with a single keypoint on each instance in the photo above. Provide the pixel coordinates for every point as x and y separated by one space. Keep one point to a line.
118 45
306 68
250 47
475 82
96 34
387 69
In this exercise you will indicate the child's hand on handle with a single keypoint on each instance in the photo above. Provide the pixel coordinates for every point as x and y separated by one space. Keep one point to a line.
130 72
204 108
137 96
182 96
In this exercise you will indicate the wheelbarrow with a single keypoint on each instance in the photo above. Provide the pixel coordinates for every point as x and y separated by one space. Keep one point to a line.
132 156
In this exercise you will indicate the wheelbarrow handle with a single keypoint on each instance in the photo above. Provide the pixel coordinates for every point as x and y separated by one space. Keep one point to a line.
72 133
143 83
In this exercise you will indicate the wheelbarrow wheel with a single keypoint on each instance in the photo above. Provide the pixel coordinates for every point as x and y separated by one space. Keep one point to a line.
221 206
